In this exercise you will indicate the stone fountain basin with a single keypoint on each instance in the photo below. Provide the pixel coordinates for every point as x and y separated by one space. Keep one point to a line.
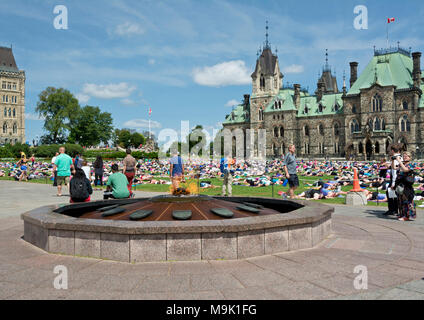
304 227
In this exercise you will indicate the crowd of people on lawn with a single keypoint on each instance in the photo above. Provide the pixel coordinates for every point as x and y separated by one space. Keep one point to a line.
392 180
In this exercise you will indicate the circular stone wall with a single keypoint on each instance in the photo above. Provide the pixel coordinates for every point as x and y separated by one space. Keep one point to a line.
146 241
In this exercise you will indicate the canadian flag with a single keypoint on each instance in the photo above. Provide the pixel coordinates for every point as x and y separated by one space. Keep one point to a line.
390 20
150 111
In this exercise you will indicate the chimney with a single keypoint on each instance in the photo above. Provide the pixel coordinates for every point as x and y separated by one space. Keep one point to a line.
320 91
246 100
353 72
297 95
416 72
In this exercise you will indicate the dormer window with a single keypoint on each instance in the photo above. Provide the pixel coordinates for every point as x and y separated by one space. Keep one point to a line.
336 107
306 109
320 108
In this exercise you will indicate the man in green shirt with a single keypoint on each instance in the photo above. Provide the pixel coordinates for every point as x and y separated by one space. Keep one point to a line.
63 166
117 185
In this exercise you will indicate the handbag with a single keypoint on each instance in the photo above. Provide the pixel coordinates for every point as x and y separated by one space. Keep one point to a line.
399 189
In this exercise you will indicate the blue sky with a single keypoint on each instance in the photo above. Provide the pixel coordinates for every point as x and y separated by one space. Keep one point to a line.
188 60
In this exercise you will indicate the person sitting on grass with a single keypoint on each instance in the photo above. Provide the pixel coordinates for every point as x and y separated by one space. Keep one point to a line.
117 185
80 187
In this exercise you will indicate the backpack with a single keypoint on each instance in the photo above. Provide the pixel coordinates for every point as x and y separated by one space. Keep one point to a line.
223 165
79 189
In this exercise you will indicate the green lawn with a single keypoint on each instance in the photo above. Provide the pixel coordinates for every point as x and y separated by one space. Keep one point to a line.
237 190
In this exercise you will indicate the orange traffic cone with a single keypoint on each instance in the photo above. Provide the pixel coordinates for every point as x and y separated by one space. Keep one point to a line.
356 187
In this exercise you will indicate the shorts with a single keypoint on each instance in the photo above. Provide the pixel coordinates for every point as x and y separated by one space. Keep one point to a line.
293 181
62 180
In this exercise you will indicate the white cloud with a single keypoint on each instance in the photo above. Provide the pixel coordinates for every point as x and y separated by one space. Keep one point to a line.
222 74
109 91
152 61
232 103
141 123
82 98
33 116
294 68
128 102
127 29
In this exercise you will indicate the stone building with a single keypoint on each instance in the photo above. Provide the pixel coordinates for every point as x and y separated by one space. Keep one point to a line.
12 99
384 104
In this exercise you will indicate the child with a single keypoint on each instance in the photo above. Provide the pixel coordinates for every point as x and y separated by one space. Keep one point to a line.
87 170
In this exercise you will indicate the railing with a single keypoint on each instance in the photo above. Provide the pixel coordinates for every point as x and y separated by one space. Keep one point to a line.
380 52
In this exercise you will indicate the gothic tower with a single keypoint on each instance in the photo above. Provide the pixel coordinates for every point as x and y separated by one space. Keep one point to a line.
267 80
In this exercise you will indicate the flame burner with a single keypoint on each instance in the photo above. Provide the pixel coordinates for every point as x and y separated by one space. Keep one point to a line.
152 229
181 192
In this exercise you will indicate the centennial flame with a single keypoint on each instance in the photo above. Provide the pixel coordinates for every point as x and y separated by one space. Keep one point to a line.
185 190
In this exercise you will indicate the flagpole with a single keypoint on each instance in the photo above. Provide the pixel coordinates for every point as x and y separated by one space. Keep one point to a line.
150 135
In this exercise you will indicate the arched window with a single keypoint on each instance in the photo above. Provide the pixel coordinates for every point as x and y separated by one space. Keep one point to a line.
279 105
307 131
15 128
405 125
377 147
5 112
10 112
5 127
306 109
275 105
14 112
405 105
262 82
383 124
336 129
361 148
261 115
354 126
321 129
377 104
320 108
377 124
354 108
281 132
276 132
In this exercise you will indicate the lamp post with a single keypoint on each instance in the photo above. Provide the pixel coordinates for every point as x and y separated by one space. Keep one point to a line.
325 154
418 152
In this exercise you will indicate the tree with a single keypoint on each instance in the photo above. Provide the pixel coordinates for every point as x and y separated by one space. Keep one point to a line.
123 138
136 139
59 108
91 126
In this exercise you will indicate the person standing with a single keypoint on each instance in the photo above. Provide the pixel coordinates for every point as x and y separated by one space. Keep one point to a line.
98 171
404 187
227 169
290 170
54 169
391 193
176 171
129 168
63 166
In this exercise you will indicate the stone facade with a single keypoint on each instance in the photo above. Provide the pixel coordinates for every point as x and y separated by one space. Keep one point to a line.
383 105
12 99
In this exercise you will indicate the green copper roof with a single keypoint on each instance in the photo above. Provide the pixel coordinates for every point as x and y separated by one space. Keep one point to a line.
328 103
393 69
238 115
287 100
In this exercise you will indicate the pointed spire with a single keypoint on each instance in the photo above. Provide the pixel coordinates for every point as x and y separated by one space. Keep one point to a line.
267 44
326 58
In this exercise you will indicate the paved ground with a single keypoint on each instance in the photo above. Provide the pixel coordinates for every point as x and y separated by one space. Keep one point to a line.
392 251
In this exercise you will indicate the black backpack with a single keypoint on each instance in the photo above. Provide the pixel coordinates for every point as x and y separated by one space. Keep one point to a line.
79 189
